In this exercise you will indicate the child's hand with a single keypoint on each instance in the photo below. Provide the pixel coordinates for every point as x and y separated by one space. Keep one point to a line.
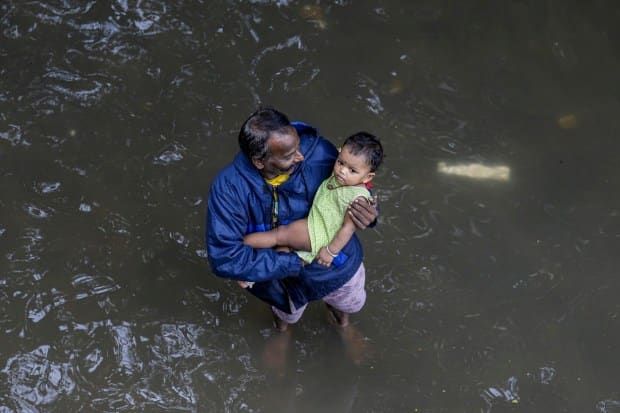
324 257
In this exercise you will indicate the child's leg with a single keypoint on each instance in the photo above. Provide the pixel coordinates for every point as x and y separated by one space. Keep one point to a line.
267 239
294 235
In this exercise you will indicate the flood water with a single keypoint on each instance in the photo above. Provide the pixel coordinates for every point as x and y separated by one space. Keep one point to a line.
492 275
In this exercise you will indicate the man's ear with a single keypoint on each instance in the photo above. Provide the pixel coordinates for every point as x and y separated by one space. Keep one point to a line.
368 177
258 163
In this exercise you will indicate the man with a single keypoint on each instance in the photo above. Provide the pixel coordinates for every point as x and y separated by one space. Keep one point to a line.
272 181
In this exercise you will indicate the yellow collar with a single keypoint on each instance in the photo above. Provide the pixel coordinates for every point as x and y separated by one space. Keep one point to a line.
278 180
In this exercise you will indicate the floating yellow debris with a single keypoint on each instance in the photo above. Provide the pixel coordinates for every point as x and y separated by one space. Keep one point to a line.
476 171
311 11
567 121
314 14
395 87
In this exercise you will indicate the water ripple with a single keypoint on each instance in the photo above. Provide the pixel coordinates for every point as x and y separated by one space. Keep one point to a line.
85 90
31 247
91 285
177 373
117 224
178 341
373 100
608 406
38 212
36 380
47 187
62 8
173 152
296 75
125 350
14 136
507 393
41 304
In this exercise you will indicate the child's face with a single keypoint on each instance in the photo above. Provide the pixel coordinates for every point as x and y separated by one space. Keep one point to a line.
351 169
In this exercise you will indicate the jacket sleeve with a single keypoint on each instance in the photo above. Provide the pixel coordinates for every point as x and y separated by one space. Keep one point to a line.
227 221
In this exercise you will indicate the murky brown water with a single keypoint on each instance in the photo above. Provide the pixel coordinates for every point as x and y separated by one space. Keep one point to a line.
492 275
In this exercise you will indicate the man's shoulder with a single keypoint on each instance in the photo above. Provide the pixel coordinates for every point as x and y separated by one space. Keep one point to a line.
233 174
314 146
304 129
225 174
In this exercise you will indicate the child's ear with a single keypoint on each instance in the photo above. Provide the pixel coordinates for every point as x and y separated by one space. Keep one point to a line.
368 177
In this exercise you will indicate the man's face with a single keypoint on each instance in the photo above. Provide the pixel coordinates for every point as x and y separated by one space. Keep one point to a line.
282 154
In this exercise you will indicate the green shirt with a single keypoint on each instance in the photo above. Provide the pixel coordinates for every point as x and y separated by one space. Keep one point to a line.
327 213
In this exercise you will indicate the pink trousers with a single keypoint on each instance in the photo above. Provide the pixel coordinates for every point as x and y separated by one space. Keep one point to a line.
349 298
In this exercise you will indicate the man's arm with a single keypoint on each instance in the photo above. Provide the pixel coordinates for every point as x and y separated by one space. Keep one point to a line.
227 220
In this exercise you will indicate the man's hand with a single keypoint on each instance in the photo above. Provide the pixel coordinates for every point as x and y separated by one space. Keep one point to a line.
363 211
245 284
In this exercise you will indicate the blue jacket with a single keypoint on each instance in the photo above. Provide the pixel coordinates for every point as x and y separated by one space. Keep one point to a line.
240 203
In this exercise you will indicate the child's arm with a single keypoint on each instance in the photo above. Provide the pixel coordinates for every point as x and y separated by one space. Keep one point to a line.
329 252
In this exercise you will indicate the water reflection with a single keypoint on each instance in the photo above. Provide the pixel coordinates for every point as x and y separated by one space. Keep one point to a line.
608 406
475 171
507 393
35 380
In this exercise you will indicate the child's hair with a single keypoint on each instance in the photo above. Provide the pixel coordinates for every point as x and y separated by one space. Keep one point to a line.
368 145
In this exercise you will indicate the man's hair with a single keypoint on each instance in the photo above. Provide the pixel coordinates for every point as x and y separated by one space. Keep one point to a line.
368 145
255 131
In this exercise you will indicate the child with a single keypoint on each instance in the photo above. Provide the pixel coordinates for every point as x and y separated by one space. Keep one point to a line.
328 228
